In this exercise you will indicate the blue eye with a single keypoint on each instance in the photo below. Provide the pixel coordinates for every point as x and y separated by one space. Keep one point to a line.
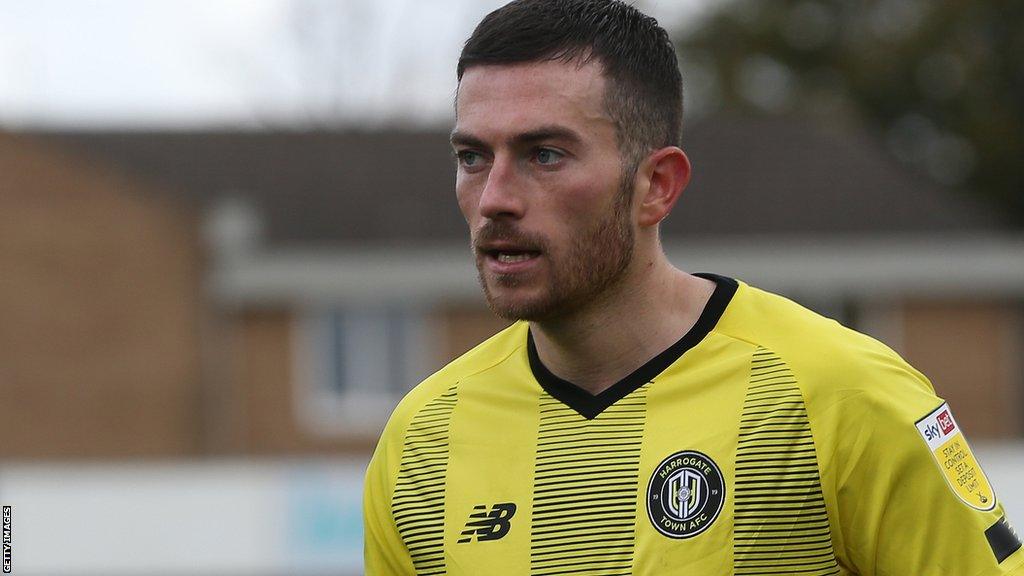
469 158
547 157
471 161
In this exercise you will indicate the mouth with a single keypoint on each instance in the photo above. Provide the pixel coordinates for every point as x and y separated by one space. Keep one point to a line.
509 256
509 260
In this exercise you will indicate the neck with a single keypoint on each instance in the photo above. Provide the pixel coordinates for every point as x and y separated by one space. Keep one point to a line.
649 310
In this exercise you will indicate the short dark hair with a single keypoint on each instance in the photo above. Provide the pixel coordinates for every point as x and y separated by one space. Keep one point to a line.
644 94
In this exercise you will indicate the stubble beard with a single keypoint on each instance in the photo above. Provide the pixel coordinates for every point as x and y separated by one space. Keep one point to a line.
596 262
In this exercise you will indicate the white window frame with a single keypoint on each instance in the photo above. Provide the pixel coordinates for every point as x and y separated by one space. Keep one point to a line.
325 403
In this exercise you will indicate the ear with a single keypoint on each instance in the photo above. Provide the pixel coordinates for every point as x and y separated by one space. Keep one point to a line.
667 173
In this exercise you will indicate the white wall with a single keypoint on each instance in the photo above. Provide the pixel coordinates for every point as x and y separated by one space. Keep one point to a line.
1004 465
301 517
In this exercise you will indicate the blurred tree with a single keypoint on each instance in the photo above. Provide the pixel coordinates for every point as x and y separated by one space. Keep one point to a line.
941 80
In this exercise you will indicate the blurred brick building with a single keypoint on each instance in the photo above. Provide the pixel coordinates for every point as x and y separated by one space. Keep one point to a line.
100 305
248 293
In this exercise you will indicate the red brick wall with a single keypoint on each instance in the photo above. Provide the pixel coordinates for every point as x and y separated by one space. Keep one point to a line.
465 327
971 351
263 389
263 386
99 306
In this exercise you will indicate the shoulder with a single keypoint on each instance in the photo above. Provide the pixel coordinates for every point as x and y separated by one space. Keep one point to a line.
482 357
827 358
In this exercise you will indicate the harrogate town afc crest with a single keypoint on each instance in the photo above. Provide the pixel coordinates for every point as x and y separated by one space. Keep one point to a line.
685 494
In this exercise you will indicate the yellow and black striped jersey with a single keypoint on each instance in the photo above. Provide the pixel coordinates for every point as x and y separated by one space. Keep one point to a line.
767 440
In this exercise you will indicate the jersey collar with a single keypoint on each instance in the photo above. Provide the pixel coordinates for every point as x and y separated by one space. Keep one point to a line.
589 405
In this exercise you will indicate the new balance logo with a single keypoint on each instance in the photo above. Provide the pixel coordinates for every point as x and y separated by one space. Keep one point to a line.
488 525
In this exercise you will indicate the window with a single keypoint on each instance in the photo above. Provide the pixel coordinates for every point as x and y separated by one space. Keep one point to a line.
354 364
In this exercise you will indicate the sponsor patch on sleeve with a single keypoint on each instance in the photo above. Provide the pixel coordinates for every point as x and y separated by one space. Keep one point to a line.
954 457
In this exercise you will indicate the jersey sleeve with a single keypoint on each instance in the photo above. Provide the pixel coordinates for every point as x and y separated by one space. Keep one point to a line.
911 497
384 552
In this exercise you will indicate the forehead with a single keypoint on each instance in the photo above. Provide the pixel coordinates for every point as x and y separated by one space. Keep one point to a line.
519 97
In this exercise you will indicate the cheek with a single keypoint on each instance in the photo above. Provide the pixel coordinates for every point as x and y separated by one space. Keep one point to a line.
467 198
568 223
586 203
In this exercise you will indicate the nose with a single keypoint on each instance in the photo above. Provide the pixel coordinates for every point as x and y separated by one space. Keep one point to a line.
502 196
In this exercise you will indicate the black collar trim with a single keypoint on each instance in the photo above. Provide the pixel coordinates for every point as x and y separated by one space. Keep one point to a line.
588 405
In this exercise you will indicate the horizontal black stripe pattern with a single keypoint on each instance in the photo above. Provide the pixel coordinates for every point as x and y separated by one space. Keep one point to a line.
418 501
780 521
585 488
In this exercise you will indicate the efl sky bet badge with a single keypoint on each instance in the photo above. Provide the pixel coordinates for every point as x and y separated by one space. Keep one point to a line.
685 494
954 457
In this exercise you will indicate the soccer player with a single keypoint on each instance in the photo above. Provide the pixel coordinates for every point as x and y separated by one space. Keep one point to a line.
637 419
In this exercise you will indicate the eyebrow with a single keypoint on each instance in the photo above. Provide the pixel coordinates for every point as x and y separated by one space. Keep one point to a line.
543 133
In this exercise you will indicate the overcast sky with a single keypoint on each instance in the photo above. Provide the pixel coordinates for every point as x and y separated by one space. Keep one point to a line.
253 63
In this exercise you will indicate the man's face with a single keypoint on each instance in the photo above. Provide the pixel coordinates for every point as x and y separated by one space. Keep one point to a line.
540 183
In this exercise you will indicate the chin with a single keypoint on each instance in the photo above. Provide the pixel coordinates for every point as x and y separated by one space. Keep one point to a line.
539 308
511 308
507 304
529 298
